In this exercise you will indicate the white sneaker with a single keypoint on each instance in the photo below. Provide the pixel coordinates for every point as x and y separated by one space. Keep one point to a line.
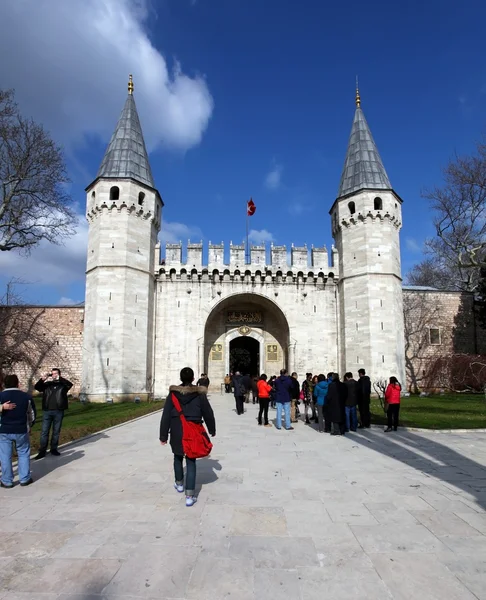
178 487
191 500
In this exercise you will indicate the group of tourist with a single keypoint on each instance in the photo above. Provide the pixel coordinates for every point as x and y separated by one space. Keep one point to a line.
18 412
336 406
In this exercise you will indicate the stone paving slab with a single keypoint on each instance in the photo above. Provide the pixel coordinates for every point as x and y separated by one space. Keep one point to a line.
281 515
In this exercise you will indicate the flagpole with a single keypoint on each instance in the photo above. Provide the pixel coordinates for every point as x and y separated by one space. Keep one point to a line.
247 259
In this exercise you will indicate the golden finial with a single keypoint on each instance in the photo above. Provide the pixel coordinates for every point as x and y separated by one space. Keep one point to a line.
358 97
130 84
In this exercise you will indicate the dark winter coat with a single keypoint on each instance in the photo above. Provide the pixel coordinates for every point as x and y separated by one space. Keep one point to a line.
283 387
247 383
352 397
19 419
336 401
54 393
203 382
364 390
295 391
195 407
238 387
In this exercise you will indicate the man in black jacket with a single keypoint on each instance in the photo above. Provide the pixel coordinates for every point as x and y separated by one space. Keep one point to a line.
364 399
54 390
239 391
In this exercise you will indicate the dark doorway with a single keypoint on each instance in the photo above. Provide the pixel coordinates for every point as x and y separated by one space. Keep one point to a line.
245 356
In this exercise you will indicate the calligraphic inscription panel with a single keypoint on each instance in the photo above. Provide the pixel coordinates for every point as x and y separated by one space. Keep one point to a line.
217 352
244 317
272 353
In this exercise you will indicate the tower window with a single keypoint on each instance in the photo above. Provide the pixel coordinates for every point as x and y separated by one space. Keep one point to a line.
352 208
378 203
93 195
114 193
141 197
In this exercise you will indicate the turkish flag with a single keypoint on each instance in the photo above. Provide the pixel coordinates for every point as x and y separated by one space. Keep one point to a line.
251 208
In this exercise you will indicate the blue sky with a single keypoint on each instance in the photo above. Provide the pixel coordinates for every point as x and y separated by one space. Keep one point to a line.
243 98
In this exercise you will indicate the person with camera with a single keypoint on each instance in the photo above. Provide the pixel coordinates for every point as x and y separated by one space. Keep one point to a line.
54 390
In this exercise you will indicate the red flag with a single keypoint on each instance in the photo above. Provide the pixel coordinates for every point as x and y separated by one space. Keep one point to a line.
251 208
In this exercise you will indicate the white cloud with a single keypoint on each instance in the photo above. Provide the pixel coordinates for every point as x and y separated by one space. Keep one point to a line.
260 236
298 208
69 62
273 180
63 301
179 232
413 246
49 264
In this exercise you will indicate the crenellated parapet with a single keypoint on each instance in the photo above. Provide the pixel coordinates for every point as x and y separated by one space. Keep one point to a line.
273 264
371 216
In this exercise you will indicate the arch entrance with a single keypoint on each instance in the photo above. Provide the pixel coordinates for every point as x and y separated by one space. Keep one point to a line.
244 355
245 332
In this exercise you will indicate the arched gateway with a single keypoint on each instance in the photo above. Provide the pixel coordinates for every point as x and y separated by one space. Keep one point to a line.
248 333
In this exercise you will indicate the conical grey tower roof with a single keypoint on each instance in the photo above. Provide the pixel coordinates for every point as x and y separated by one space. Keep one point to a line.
363 168
126 155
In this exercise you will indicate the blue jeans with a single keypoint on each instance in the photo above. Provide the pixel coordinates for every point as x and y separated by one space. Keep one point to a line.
22 443
54 418
351 418
286 408
190 473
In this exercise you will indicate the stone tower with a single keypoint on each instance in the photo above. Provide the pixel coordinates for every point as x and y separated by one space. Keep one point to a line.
366 221
124 213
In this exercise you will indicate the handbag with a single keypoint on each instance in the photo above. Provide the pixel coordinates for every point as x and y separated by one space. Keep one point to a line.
385 406
195 440
302 395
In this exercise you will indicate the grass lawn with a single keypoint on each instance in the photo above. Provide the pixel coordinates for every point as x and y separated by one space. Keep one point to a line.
452 411
82 419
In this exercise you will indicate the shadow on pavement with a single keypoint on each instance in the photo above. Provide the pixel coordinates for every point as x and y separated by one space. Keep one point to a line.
431 458
206 472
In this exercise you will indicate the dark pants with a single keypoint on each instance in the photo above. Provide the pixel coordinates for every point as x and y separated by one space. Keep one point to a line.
227 388
240 400
327 422
320 417
364 414
54 418
392 413
263 410
190 473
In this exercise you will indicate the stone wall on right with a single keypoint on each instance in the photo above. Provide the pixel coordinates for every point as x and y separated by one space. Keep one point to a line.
437 324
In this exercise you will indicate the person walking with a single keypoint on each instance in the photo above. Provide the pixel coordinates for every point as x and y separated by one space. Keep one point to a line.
247 383
196 408
239 393
364 399
392 399
336 401
321 391
54 390
15 425
227 384
351 400
294 398
264 390
283 388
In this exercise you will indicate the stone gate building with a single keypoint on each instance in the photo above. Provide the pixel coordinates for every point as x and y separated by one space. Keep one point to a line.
307 309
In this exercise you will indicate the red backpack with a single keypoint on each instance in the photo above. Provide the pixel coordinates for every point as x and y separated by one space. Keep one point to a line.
195 440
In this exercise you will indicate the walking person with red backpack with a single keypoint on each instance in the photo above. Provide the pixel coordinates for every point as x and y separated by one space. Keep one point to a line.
185 410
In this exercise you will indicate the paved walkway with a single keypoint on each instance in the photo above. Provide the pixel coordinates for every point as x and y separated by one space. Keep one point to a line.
281 515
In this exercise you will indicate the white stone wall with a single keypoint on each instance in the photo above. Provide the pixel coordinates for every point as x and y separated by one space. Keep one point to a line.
370 293
118 334
304 300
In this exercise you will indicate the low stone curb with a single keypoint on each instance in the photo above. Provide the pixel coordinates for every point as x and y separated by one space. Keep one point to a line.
422 430
91 435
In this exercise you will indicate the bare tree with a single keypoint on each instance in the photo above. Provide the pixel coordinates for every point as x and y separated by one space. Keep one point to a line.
458 373
456 254
25 342
420 313
380 385
34 203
